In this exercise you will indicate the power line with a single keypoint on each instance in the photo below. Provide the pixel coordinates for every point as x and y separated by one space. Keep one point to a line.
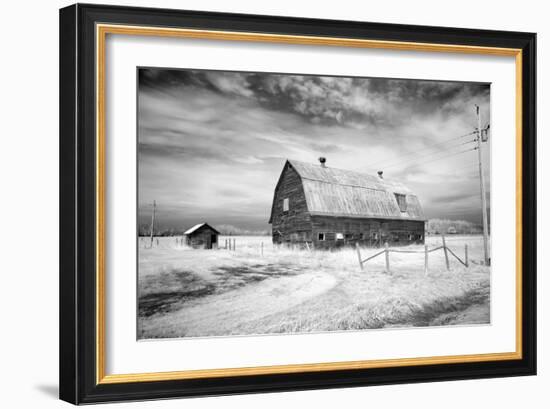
438 158
428 148
447 148
442 157
427 155
454 154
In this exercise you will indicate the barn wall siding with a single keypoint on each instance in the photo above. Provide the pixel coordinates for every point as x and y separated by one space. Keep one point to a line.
294 225
366 232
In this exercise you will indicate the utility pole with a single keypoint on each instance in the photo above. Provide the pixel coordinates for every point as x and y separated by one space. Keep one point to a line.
482 189
153 222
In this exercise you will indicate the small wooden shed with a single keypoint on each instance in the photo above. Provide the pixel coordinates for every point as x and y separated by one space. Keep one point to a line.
202 236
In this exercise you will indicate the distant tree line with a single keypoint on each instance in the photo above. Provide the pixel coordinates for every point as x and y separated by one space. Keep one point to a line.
224 229
230 230
445 226
145 230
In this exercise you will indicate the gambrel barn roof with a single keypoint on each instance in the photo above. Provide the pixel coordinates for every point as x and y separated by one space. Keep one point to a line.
344 193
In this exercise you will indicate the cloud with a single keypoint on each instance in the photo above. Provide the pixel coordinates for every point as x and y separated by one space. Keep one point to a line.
212 144
232 83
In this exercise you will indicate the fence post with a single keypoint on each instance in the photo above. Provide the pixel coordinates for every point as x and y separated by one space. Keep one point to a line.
229 244
262 246
445 251
234 244
466 254
426 259
359 255
387 257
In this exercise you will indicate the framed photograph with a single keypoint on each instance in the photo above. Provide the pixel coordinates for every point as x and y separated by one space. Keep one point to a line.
258 203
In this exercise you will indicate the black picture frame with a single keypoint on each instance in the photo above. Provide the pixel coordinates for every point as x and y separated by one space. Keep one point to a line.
78 236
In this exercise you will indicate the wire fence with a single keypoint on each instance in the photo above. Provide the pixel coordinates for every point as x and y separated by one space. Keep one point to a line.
387 250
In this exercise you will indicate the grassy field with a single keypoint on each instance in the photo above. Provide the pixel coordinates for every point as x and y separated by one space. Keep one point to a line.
185 292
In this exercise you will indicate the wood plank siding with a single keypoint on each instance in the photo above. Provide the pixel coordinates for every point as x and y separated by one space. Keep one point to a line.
202 236
328 207
328 232
293 225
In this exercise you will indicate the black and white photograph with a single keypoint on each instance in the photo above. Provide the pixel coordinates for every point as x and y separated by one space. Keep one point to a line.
282 203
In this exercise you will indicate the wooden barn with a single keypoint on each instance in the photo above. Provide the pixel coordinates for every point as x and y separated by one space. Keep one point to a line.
327 207
202 236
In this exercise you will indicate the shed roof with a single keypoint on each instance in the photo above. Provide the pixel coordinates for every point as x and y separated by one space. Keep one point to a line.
197 227
337 192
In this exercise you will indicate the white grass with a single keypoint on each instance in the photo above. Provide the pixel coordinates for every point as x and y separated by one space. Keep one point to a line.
188 292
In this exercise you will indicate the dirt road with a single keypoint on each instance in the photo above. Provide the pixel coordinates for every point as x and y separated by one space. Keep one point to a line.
221 314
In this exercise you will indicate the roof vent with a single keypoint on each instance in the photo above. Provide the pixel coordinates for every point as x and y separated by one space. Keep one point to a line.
380 173
323 161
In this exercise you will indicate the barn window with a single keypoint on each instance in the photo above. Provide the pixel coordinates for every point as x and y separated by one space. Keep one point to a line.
401 201
321 237
349 236
339 236
286 205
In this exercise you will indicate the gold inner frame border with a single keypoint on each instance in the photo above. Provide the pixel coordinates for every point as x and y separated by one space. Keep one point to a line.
102 30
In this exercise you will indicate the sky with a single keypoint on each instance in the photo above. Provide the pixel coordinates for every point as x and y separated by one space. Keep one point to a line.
212 144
